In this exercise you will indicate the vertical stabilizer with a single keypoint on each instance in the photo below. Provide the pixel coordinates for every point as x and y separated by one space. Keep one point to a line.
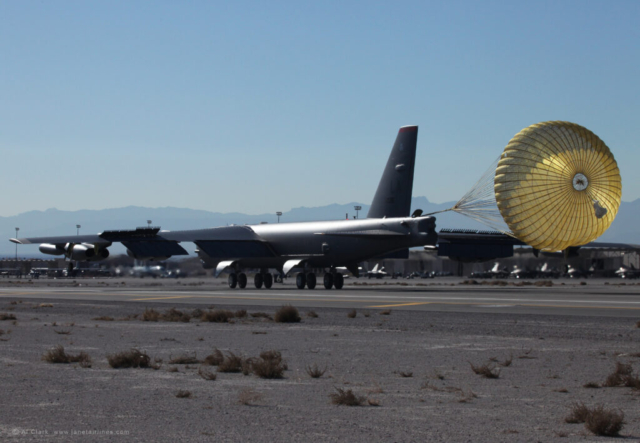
393 197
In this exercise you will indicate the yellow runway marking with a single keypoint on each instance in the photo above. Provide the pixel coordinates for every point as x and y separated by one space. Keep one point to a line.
401 304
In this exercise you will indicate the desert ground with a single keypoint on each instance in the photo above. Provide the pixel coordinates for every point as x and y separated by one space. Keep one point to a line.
407 353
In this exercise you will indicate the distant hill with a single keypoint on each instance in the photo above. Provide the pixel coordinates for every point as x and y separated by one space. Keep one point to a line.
54 222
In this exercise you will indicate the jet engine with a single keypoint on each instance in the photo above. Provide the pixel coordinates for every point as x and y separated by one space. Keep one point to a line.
82 252
47 248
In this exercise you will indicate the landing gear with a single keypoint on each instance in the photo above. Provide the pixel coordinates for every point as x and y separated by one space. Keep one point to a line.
268 280
338 281
311 280
233 280
242 280
258 280
328 280
301 280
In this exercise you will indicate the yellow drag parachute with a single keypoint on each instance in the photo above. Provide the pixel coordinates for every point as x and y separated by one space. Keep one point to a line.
557 185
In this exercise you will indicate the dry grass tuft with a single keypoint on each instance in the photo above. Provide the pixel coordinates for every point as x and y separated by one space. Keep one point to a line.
217 316
133 358
591 385
261 315
373 402
230 363
287 314
312 314
103 318
386 312
638 324
184 360
214 359
578 414
352 313
175 316
183 394
487 371
249 396
315 372
58 355
173 369
507 362
267 368
46 305
62 331
606 422
5 316
346 398
241 313
197 313
206 374
619 376
150 315
405 374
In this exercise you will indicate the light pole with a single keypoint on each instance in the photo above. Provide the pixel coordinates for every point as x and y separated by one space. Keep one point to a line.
17 229
357 208
149 223
78 229
278 214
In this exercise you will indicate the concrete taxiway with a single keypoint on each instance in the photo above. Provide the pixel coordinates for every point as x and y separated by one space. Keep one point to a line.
565 297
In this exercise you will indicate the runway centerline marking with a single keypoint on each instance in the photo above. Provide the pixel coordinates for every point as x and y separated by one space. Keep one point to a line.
160 298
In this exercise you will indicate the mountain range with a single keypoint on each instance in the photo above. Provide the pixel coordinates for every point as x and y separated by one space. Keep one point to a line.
51 222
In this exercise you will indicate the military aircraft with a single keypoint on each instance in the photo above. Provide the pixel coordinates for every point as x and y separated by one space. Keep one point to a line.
377 273
628 272
308 247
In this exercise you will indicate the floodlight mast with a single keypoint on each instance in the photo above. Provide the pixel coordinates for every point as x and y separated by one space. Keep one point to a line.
78 229
357 208
149 223
278 214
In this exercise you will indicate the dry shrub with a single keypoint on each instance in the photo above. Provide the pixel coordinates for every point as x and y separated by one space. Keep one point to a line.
367 314
230 363
249 396
547 283
352 313
206 374
133 358
346 398
312 314
267 368
583 283
214 359
183 394
62 331
58 355
386 312
197 313
173 369
487 371
150 315
578 414
46 305
315 372
606 422
176 316
619 376
405 374
507 362
5 316
638 324
591 385
261 315
240 313
103 318
287 314
373 402
184 360
217 316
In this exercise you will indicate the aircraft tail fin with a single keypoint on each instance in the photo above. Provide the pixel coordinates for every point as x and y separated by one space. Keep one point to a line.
393 197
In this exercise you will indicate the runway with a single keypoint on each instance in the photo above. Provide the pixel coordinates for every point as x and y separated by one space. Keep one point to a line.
595 298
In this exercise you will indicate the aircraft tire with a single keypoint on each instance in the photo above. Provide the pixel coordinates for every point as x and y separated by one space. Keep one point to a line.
258 280
233 280
338 281
301 280
268 280
328 280
242 280
311 280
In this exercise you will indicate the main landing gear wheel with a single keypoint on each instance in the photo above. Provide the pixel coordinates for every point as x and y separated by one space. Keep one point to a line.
301 280
338 281
242 280
311 280
233 280
258 280
268 280
328 280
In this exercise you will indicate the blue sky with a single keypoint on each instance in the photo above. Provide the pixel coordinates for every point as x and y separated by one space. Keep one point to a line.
263 106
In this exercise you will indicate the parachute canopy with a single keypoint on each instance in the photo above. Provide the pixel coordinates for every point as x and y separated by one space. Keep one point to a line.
557 185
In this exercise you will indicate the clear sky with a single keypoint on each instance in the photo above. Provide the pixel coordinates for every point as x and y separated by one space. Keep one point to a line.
264 106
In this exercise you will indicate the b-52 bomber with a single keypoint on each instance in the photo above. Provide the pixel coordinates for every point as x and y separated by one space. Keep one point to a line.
308 247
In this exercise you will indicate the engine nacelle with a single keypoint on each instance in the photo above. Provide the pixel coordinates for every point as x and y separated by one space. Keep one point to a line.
47 248
132 254
87 252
